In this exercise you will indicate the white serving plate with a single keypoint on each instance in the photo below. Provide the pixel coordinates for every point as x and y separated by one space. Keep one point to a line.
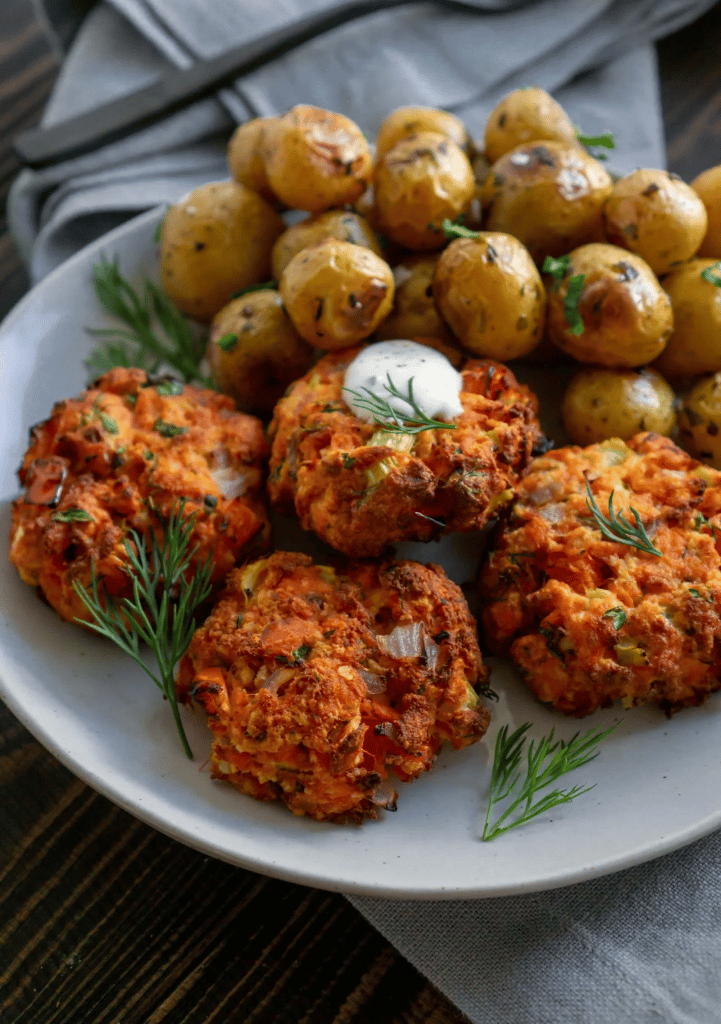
657 781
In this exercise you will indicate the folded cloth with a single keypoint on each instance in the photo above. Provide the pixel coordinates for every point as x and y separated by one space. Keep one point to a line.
643 944
595 57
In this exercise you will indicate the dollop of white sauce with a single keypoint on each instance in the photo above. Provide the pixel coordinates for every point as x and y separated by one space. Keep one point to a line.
436 384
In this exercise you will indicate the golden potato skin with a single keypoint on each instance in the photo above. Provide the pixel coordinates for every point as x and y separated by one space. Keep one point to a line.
627 316
589 621
245 157
304 703
548 195
267 355
526 115
490 293
414 312
421 181
109 452
707 186
656 215
215 241
345 225
346 481
315 159
602 402
695 345
699 420
405 121
336 293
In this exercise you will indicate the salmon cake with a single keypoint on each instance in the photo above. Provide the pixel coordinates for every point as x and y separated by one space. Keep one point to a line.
118 458
361 488
589 620
318 680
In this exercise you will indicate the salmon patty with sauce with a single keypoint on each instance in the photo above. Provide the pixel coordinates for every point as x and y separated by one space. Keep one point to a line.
361 488
590 621
318 681
118 458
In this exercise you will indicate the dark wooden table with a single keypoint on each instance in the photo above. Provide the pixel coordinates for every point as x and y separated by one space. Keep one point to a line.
104 920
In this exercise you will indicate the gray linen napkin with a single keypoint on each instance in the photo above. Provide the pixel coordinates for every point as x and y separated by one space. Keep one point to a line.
642 945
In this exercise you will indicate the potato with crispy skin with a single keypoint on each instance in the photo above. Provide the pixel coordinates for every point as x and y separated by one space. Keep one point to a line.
315 159
550 196
318 681
344 225
214 242
526 115
119 457
590 621
360 488
405 121
656 215
421 181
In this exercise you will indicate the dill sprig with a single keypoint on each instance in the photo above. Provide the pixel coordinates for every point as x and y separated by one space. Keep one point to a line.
155 615
392 419
546 762
139 343
617 528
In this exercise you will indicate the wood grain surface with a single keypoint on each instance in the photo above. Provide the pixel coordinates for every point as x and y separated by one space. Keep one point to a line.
104 920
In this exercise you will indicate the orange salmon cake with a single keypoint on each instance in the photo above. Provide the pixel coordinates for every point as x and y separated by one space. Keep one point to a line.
318 681
361 488
590 621
119 457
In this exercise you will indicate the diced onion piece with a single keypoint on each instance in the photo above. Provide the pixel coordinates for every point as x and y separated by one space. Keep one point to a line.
384 796
374 682
404 641
430 649
276 679
552 513
232 483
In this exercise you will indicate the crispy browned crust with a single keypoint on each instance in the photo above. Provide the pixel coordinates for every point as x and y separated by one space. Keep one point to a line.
589 621
314 736
102 453
452 480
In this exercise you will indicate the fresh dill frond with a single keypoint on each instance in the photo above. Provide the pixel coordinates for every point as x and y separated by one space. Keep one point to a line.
391 418
617 528
138 343
161 611
546 761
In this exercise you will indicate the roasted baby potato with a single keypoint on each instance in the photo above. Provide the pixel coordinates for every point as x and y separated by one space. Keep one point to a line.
548 195
255 352
336 293
120 457
215 241
245 156
602 402
342 224
699 420
315 159
414 312
420 182
589 620
526 115
656 215
490 293
708 187
695 345
626 315
319 680
405 121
